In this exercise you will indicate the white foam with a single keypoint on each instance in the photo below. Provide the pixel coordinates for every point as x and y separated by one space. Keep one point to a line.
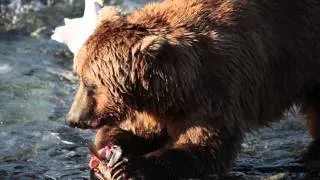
5 68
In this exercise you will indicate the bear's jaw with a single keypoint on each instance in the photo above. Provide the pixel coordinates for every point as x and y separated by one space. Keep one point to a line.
97 120
95 123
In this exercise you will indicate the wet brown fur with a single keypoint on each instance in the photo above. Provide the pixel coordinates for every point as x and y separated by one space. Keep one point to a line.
179 82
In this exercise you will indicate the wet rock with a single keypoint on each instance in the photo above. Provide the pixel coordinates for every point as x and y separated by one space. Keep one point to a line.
35 17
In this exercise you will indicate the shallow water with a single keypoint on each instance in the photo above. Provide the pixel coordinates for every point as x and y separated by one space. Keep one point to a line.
36 89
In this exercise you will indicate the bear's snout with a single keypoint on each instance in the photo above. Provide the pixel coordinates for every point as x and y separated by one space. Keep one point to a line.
75 120
72 121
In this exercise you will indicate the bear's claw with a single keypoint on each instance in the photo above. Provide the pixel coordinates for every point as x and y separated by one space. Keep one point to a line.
118 170
109 160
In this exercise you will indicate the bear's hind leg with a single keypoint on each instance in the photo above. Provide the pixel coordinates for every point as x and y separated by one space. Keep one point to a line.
311 110
313 121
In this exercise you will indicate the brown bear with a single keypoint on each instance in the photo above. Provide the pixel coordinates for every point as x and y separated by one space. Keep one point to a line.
176 84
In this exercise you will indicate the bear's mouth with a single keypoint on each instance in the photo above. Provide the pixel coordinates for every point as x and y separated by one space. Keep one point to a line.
92 123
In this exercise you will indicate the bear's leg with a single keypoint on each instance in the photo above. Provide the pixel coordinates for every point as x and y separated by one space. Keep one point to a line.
313 120
210 153
131 144
313 124
311 110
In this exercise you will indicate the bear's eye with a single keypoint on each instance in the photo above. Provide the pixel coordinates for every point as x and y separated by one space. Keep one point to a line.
91 88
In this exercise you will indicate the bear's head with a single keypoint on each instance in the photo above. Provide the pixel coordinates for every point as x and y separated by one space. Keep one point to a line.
125 67
115 68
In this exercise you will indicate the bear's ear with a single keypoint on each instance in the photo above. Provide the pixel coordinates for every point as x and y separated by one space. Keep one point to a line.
108 13
148 45
145 56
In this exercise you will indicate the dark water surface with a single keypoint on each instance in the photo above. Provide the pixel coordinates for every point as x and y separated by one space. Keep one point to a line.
36 89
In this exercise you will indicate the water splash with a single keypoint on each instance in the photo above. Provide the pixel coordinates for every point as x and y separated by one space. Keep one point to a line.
5 68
